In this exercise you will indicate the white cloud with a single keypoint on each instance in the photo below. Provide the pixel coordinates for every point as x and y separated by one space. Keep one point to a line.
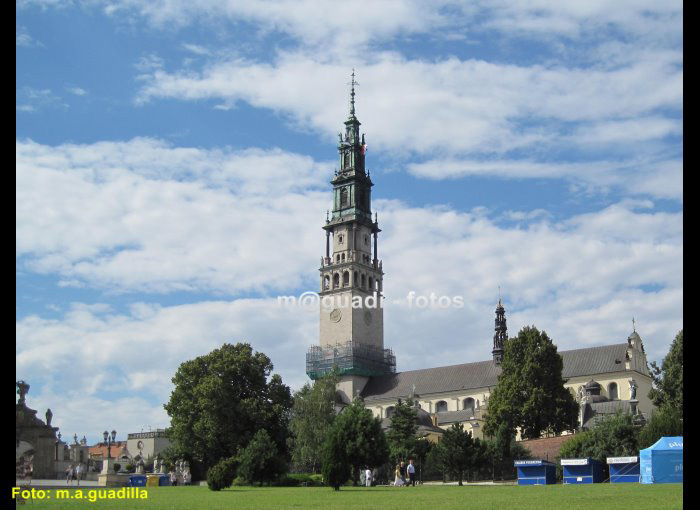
164 219
77 91
470 107
23 39
143 215
30 100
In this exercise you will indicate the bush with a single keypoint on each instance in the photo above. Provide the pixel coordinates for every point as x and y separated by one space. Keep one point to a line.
260 461
667 421
222 474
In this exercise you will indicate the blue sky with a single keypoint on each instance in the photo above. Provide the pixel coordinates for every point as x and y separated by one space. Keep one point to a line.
173 161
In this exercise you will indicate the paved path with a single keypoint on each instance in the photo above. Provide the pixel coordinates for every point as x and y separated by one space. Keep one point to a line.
56 484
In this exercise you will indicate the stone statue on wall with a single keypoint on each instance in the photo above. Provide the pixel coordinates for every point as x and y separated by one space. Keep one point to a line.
49 415
633 389
140 466
22 390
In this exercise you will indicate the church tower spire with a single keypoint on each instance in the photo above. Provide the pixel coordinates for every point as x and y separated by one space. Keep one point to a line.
501 334
351 336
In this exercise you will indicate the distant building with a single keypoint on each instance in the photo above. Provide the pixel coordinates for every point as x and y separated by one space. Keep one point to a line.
147 444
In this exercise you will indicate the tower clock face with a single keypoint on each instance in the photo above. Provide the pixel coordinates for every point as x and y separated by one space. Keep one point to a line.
335 315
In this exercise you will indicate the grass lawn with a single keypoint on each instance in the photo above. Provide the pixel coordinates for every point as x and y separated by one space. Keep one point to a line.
559 497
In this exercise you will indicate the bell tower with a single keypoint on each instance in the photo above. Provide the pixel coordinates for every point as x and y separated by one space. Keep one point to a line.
351 276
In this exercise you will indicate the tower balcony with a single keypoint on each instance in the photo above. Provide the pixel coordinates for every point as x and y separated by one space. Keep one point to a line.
351 358
353 256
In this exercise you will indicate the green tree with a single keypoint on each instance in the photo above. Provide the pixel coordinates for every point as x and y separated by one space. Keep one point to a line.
312 415
456 451
402 431
667 421
668 380
355 439
222 474
334 458
421 449
221 399
365 441
530 393
500 452
260 461
613 436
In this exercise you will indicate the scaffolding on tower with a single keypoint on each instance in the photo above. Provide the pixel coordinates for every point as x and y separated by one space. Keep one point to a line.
351 358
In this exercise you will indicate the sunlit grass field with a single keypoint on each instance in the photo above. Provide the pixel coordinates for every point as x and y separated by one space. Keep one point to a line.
560 497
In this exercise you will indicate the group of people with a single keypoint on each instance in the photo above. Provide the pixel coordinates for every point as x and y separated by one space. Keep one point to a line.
400 474
74 472
186 477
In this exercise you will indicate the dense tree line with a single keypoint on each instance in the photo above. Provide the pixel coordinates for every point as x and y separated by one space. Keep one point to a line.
231 418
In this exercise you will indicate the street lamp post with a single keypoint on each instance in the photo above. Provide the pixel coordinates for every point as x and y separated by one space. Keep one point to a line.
108 440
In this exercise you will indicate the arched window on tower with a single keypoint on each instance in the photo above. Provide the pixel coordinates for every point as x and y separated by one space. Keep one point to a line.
612 391
346 278
344 198
354 278
441 406
336 280
371 283
362 281
326 282
468 403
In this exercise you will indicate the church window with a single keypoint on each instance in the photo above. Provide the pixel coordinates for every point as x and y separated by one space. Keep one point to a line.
337 257
346 278
441 406
342 257
371 283
362 281
340 239
612 391
336 280
354 278
344 197
326 282
468 403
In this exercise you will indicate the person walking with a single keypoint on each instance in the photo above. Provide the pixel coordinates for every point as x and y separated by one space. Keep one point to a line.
173 478
398 482
411 470
69 475
368 477
78 473
402 472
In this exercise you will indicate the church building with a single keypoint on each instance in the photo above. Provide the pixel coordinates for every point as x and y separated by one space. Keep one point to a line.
603 379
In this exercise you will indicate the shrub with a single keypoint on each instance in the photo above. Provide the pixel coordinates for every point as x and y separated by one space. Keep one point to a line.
222 474
667 421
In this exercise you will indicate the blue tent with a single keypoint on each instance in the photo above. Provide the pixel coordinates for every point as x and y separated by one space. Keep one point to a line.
536 472
663 461
624 469
586 470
